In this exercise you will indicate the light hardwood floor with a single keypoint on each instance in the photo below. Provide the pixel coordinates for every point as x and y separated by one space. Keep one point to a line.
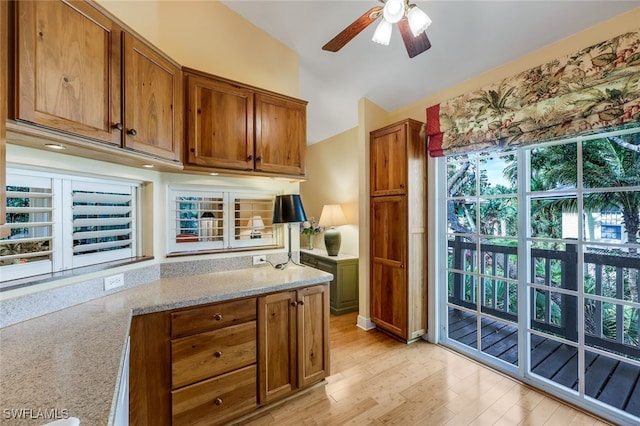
377 380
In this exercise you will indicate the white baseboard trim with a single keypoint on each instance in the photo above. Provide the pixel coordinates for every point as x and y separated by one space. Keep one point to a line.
365 323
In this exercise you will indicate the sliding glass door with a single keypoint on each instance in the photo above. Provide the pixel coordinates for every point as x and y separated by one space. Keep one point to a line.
543 267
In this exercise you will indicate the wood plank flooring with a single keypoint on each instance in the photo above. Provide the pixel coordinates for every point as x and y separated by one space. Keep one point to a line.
376 380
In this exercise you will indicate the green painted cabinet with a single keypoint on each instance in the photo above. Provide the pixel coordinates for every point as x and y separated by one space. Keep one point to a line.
343 297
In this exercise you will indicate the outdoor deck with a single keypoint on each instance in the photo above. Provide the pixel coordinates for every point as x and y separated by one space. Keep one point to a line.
608 380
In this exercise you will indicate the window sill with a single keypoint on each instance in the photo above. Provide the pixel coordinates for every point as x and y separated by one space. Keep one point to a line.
45 278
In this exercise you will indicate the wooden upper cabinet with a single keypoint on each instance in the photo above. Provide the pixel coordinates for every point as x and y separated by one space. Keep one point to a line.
219 124
234 126
68 76
388 160
152 100
81 73
281 134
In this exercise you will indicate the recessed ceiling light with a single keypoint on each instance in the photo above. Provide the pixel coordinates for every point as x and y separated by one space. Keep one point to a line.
148 166
213 174
55 146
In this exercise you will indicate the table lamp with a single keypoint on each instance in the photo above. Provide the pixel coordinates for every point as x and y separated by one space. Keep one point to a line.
256 224
331 217
288 209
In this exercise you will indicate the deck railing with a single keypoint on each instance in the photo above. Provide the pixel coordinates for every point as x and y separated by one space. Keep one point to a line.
496 294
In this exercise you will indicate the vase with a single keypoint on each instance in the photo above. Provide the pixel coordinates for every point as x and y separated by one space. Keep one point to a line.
309 242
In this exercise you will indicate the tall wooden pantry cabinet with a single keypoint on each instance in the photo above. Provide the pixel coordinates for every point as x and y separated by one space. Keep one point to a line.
398 230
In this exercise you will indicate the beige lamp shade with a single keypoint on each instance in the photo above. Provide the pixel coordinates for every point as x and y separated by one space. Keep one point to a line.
255 223
332 215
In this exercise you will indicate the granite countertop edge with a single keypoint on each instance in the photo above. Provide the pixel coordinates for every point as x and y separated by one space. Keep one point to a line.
73 359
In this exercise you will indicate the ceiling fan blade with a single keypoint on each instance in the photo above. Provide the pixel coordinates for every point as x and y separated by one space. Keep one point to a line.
414 45
356 27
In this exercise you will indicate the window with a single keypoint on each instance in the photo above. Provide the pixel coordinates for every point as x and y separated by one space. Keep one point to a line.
60 222
543 270
208 220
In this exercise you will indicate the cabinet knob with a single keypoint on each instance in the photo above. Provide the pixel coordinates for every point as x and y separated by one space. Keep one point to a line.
250 157
218 401
118 126
217 354
402 185
259 158
132 132
217 317
294 304
401 266
301 303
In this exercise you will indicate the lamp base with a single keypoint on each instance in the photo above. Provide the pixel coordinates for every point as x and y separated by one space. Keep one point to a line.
332 241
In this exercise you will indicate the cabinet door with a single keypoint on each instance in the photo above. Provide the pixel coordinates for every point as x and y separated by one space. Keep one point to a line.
276 346
220 124
152 101
388 263
68 75
281 135
313 334
388 160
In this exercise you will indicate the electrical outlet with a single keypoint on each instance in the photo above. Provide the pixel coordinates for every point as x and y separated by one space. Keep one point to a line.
113 281
259 260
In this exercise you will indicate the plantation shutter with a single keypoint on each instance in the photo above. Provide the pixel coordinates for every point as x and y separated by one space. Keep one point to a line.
252 215
30 210
103 218
217 220
198 220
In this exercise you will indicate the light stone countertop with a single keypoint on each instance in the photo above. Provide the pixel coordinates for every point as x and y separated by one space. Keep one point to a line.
72 359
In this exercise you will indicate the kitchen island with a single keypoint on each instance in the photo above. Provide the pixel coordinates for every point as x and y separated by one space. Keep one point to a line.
71 362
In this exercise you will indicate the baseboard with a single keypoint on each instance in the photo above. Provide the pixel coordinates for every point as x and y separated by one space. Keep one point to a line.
365 323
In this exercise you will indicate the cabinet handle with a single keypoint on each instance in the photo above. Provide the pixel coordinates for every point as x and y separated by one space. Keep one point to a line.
118 126
217 354
259 158
250 157
218 401
401 266
301 303
294 304
132 132
402 185
217 317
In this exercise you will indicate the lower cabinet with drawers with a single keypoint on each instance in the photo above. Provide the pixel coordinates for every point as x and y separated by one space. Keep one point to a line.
210 364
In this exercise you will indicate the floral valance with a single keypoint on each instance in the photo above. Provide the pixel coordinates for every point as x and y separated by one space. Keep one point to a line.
594 89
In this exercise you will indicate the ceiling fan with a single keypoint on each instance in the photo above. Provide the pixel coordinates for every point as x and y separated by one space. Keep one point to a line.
411 21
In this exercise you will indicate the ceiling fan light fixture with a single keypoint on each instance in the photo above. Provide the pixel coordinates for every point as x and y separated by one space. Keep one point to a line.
418 20
393 10
382 35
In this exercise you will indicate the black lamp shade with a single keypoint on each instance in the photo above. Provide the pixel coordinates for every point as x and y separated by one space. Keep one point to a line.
288 208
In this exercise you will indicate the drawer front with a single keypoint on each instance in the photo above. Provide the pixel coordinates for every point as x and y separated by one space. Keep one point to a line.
205 355
211 317
308 260
215 401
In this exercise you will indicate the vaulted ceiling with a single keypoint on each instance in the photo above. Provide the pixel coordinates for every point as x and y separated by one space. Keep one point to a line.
467 37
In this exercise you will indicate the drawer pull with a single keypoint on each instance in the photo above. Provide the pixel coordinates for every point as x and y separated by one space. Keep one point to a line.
217 317
218 401
217 354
